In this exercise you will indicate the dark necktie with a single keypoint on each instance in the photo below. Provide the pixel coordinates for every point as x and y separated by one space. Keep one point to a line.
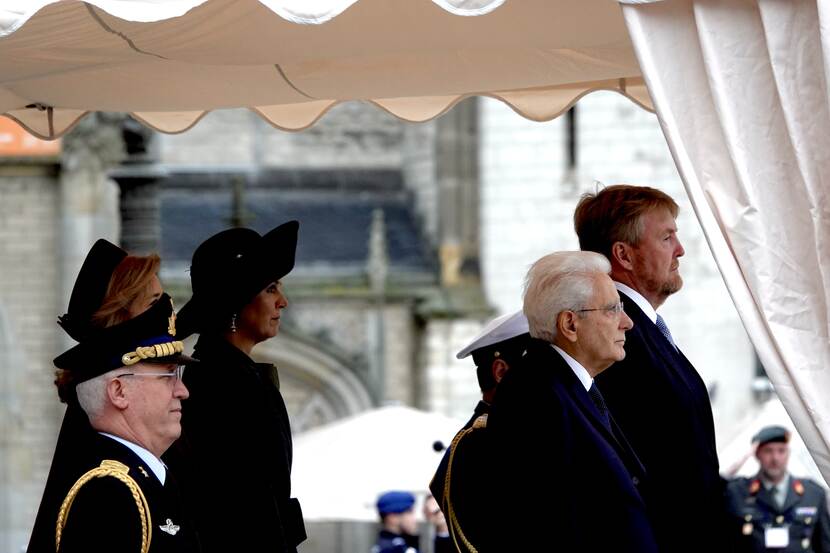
661 325
599 401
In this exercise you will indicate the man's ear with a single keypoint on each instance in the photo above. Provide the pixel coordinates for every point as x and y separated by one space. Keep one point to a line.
566 325
621 255
117 394
499 369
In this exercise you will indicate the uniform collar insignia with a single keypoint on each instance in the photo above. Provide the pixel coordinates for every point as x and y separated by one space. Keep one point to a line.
170 528
144 472
798 487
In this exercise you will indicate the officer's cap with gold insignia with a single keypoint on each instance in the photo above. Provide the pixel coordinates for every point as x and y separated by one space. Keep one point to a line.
230 268
148 337
771 434
504 336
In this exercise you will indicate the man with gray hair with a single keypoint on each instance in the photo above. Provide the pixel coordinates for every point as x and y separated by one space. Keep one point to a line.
127 379
554 440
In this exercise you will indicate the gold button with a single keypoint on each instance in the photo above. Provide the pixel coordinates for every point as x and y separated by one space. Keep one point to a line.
748 518
779 519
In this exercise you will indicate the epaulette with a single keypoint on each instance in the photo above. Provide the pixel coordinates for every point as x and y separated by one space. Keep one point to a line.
480 422
120 472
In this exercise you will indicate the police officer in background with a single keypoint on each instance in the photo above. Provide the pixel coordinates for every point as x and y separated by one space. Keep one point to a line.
399 525
775 511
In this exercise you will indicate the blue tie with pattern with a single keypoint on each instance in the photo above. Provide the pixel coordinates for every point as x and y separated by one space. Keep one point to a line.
661 325
599 401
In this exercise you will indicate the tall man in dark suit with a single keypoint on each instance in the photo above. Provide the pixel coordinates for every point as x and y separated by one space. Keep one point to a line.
568 480
655 393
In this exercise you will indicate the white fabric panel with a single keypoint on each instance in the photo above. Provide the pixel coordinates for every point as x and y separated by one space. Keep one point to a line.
291 60
740 89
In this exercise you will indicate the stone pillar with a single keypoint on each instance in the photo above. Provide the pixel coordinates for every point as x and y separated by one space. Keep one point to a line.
457 175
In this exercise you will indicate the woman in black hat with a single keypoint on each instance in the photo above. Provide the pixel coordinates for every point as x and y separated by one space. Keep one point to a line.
235 452
111 288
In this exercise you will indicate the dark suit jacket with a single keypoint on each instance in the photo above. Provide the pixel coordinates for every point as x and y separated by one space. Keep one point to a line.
104 517
662 404
566 483
234 457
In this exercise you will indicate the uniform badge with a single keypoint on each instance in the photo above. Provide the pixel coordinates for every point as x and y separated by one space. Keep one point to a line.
798 487
171 321
747 529
170 528
144 472
754 486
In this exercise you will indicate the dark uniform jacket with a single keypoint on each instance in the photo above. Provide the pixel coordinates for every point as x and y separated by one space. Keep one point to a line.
389 542
565 482
662 404
436 486
104 516
804 513
234 456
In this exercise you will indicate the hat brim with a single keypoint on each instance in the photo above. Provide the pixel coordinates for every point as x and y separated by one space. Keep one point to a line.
272 260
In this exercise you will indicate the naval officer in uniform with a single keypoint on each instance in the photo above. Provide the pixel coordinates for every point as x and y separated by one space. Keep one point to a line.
774 510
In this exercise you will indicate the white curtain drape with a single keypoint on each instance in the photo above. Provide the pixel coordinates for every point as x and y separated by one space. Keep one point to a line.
740 88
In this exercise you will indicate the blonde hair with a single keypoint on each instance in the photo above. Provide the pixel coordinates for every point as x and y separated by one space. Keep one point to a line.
129 281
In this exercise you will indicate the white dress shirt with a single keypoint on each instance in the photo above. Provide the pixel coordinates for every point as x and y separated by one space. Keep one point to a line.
580 371
638 298
153 462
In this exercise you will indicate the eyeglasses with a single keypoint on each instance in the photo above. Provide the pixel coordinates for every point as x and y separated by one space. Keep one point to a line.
176 374
616 309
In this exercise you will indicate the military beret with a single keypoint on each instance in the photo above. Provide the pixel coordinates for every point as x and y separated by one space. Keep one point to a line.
502 333
395 502
772 434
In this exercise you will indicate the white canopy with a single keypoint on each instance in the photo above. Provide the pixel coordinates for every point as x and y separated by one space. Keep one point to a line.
168 63
740 88
340 469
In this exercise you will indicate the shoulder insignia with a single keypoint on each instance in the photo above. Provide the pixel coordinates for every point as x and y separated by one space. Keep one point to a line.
798 487
480 422
754 486
120 472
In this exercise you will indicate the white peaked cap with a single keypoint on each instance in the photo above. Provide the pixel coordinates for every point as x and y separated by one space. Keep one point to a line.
499 329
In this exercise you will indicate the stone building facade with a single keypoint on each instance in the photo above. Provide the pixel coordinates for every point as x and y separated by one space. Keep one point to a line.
474 198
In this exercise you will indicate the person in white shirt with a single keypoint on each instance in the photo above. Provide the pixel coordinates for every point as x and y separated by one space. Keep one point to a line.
568 480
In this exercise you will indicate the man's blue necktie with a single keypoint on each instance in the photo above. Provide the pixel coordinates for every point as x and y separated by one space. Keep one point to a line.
599 401
661 325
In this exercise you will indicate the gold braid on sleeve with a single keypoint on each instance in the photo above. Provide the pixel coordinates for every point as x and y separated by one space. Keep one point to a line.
119 471
459 539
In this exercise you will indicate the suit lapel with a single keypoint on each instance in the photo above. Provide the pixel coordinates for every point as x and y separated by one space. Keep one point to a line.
577 392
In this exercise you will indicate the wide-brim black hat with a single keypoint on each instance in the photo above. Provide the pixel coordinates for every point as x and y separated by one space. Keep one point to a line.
229 269
90 288
148 337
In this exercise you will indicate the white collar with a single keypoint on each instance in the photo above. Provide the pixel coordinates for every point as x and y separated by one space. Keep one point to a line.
638 298
153 462
580 371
